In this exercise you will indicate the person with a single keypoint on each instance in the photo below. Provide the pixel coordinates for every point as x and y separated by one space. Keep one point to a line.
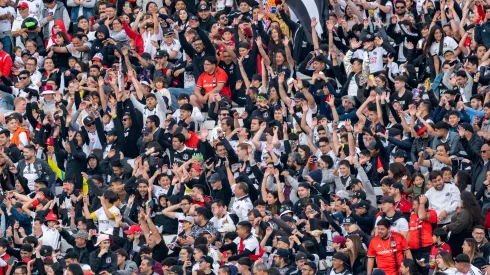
444 207
388 249
103 259
464 266
421 223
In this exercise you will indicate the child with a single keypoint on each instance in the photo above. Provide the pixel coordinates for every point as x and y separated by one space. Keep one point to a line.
447 175
227 41
439 237
161 87
417 186
19 63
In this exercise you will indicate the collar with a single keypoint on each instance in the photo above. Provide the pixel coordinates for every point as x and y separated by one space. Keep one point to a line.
445 138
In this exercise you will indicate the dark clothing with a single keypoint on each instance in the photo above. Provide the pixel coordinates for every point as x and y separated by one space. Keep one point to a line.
107 262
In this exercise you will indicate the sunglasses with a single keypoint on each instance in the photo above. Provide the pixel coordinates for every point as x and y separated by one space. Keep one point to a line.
23 78
125 119
483 151
399 7
90 125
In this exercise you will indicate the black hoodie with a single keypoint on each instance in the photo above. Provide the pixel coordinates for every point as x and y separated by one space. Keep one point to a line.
107 51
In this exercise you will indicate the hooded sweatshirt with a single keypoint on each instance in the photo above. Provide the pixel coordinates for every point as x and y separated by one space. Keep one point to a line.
107 51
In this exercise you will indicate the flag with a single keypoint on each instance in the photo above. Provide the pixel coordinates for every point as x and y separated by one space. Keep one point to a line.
306 9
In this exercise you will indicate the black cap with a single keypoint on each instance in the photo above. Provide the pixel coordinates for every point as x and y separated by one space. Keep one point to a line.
467 127
400 154
462 258
203 7
171 123
111 132
257 77
299 96
282 253
362 204
340 256
287 219
167 31
368 37
146 130
348 220
183 96
300 256
285 209
193 17
214 178
46 250
25 52
284 239
207 259
387 199
177 270
161 54
359 194
353 182
88 120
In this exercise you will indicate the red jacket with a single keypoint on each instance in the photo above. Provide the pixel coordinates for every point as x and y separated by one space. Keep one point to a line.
5 257
5 63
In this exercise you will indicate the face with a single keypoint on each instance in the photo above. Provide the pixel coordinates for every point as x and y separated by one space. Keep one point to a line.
438 35
143 189
303 192
144 266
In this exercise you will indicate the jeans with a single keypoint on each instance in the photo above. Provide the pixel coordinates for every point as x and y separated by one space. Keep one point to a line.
175 92
7 44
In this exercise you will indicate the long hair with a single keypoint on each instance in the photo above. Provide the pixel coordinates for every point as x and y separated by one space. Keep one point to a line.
446 258
273 46
431 39
463 179
474 251
357 248
75 269
470 204
399 171
64 36
307 150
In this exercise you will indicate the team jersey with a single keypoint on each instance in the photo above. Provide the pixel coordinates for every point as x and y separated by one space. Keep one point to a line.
209 81
104 221
421 231
389 252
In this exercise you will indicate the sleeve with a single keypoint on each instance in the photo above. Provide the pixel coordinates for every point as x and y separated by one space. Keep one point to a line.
222 77
199 82
403 243
432 216
371 252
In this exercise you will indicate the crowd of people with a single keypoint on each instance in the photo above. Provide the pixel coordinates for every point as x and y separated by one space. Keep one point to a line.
197 137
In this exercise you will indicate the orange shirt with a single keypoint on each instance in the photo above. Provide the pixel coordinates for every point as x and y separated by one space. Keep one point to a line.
418 226
385 252
209 81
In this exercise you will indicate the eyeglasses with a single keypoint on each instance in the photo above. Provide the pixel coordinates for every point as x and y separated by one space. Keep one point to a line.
399 7
23 78
225 114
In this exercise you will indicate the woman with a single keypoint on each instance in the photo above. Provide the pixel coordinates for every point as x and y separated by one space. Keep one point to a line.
183 18
180 241
400 173
436 41
445 263
58 26
408 267
470 248
118 33
74 269
463 221
357 254
463 181
305 152
142 197
60 59
186 259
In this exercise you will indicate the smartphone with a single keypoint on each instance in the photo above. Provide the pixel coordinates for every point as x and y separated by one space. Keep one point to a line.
371 77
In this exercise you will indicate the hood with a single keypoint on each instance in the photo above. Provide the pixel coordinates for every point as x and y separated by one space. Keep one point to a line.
60 24
103 29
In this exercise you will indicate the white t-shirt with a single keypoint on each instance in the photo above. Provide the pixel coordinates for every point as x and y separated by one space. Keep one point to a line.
16 26
51 237
94 141
449 43
104 222
51 23
175 46
222 4
376 59
400 225
5 25
30 175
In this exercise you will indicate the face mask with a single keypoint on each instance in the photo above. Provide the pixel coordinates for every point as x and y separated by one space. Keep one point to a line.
431 12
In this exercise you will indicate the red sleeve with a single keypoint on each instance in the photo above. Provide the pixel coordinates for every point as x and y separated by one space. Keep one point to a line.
487 221
6 65
199 82
432 216
222 77
371 252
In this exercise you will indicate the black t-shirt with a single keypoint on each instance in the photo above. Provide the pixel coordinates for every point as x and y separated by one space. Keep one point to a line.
405 100
160 251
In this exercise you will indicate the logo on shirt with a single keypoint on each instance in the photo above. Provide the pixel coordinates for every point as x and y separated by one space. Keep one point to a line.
108 260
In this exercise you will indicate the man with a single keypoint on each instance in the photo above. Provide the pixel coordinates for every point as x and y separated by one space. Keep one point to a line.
305 198
103 259
464 266
132 127
53 12
281 260
421 223
388 249
300 260
24 10
443 135
244 266
146 266
211 81
92 129
401 203
398 223
155 105
12 152
80 242
402 95
202 223
220 214
361 216
340 264
245 244
483 245
206 265
242 204
443 198
25 87
7 15
32 168
479 158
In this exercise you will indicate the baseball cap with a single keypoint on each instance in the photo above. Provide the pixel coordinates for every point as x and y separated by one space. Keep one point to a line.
348 220
111 132
283 239
300 256
368 37
257 77
203 7
343 194
214 178
187 219
98 57
146 130
299 96
46 250
48 90
193 17
420 129
161 54
362 204
133 229
285 209
339 239
359 194
207 259
467 127
23 5
462 258
387 199
88 120
177 270
282 253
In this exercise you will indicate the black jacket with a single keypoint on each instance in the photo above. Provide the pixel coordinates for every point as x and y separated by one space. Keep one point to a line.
84 252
